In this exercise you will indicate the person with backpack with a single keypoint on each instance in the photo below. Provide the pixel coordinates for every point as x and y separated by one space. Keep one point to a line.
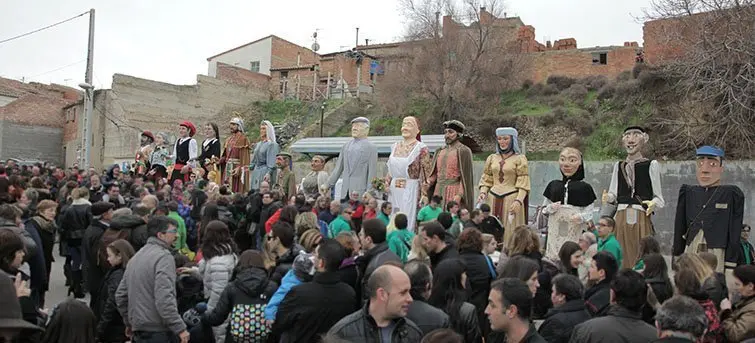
400 240
302 271
244 300
110 328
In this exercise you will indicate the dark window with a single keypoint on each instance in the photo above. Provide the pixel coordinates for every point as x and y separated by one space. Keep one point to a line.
600 58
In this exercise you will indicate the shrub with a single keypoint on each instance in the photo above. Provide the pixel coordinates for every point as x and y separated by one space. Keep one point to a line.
549 90
607 91
561 82
583 126
624 76
638 69
576 92
542 90
556 101
627 88
527 84
594 82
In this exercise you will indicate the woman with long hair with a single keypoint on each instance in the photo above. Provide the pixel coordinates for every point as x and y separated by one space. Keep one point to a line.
110 328
71 322
570 258
304 222
449 294
217 265
655 272
705 274
12 253
525 242
480 272
648 245
348 271
687 282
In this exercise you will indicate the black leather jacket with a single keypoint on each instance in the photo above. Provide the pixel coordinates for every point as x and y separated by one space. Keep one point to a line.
360 327
427 317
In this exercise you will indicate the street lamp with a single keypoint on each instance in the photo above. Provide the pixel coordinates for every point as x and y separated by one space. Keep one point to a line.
322 116
88 108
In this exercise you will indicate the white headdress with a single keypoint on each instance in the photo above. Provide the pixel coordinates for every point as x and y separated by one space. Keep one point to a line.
270 131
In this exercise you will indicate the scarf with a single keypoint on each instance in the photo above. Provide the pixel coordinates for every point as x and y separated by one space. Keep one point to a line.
44 224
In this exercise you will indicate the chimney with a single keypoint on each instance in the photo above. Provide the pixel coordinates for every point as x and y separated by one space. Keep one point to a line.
505 15
482 8
437 23
548 44
366 41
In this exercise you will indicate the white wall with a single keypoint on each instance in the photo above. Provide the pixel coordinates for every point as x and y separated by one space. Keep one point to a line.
261 51
4 100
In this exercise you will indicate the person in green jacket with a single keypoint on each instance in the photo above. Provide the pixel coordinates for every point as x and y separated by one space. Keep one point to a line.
180 243
606 239
400 240
341 223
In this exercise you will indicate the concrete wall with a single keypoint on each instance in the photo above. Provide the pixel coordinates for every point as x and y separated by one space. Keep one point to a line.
134 104
243 57
31 142
673 175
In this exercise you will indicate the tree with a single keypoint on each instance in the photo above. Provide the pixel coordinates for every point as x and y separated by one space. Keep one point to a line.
459 69
710 67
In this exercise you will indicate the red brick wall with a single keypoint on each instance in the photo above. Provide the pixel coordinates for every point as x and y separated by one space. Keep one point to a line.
578 64
71 116
240 76
37 104
284 54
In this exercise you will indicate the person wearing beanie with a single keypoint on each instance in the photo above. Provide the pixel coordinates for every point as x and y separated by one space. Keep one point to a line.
247 294
310 239
303 271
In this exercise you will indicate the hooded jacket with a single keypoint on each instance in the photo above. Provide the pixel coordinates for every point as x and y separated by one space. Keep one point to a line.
250 286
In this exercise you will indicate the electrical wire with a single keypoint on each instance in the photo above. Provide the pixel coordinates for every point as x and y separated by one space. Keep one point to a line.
42 29
56 69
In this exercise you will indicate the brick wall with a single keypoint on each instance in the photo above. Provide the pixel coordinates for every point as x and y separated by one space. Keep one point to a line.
285 54
578 63
242 76
30 142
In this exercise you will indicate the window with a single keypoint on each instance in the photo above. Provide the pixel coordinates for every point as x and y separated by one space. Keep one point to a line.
600 58
284 74
255 66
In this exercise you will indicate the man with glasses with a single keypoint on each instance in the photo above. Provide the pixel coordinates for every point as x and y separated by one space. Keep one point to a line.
748 253
146 297
341 223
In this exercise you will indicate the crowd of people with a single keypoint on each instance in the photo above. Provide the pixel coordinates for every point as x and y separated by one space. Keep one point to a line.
200 243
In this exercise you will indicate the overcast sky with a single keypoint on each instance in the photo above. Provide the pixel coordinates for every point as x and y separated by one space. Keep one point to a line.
170 40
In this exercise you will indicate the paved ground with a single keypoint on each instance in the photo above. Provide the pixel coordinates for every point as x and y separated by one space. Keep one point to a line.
58 289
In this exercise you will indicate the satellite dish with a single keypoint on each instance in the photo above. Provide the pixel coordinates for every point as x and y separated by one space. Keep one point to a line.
315 46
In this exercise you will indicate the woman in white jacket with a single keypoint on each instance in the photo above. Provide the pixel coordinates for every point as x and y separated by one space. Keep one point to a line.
216 267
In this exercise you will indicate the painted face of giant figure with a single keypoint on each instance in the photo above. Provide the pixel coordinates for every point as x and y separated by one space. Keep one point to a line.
569 161
183 131
317 163
504 142
451 136
633 140
263 132
359 130
709 169
409 128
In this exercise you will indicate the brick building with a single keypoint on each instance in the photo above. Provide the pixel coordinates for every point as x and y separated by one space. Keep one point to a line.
33 120
262 55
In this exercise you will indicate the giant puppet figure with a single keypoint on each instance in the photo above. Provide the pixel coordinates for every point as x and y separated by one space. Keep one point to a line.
210 155
505 182
159 158
284 179
263 157
568 202
357 162
236 158
315 182
634 194
709 215
185 152
451 173
142 155
409 166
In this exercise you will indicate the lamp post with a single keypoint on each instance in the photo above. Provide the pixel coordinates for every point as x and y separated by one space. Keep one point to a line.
322 116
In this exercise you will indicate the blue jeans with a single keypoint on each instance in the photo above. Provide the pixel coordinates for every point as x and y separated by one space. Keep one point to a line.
154 337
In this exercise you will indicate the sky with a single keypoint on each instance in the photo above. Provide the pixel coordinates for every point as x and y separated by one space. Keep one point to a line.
170 40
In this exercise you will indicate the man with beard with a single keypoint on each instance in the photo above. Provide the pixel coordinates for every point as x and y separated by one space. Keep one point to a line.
709 215
142 155
634 194
451 173
236 158
185 152
317 180
285 180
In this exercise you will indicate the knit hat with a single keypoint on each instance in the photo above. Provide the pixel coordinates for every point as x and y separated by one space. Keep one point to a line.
305 263
101 207
252 258
310 239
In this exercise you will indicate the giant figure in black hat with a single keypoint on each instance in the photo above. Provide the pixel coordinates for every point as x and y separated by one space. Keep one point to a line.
451 174
709 215
633 195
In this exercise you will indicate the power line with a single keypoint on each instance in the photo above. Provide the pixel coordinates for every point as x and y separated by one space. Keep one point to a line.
44 28
56 69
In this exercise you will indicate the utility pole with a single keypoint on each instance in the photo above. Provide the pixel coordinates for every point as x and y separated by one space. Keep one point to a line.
357 41
88 96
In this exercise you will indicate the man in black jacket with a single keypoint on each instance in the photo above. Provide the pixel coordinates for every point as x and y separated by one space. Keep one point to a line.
681 320
376 252
384 314
602 270
509 309
254 211
426 316
623 321
310 309
434 240
95 270
568 309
